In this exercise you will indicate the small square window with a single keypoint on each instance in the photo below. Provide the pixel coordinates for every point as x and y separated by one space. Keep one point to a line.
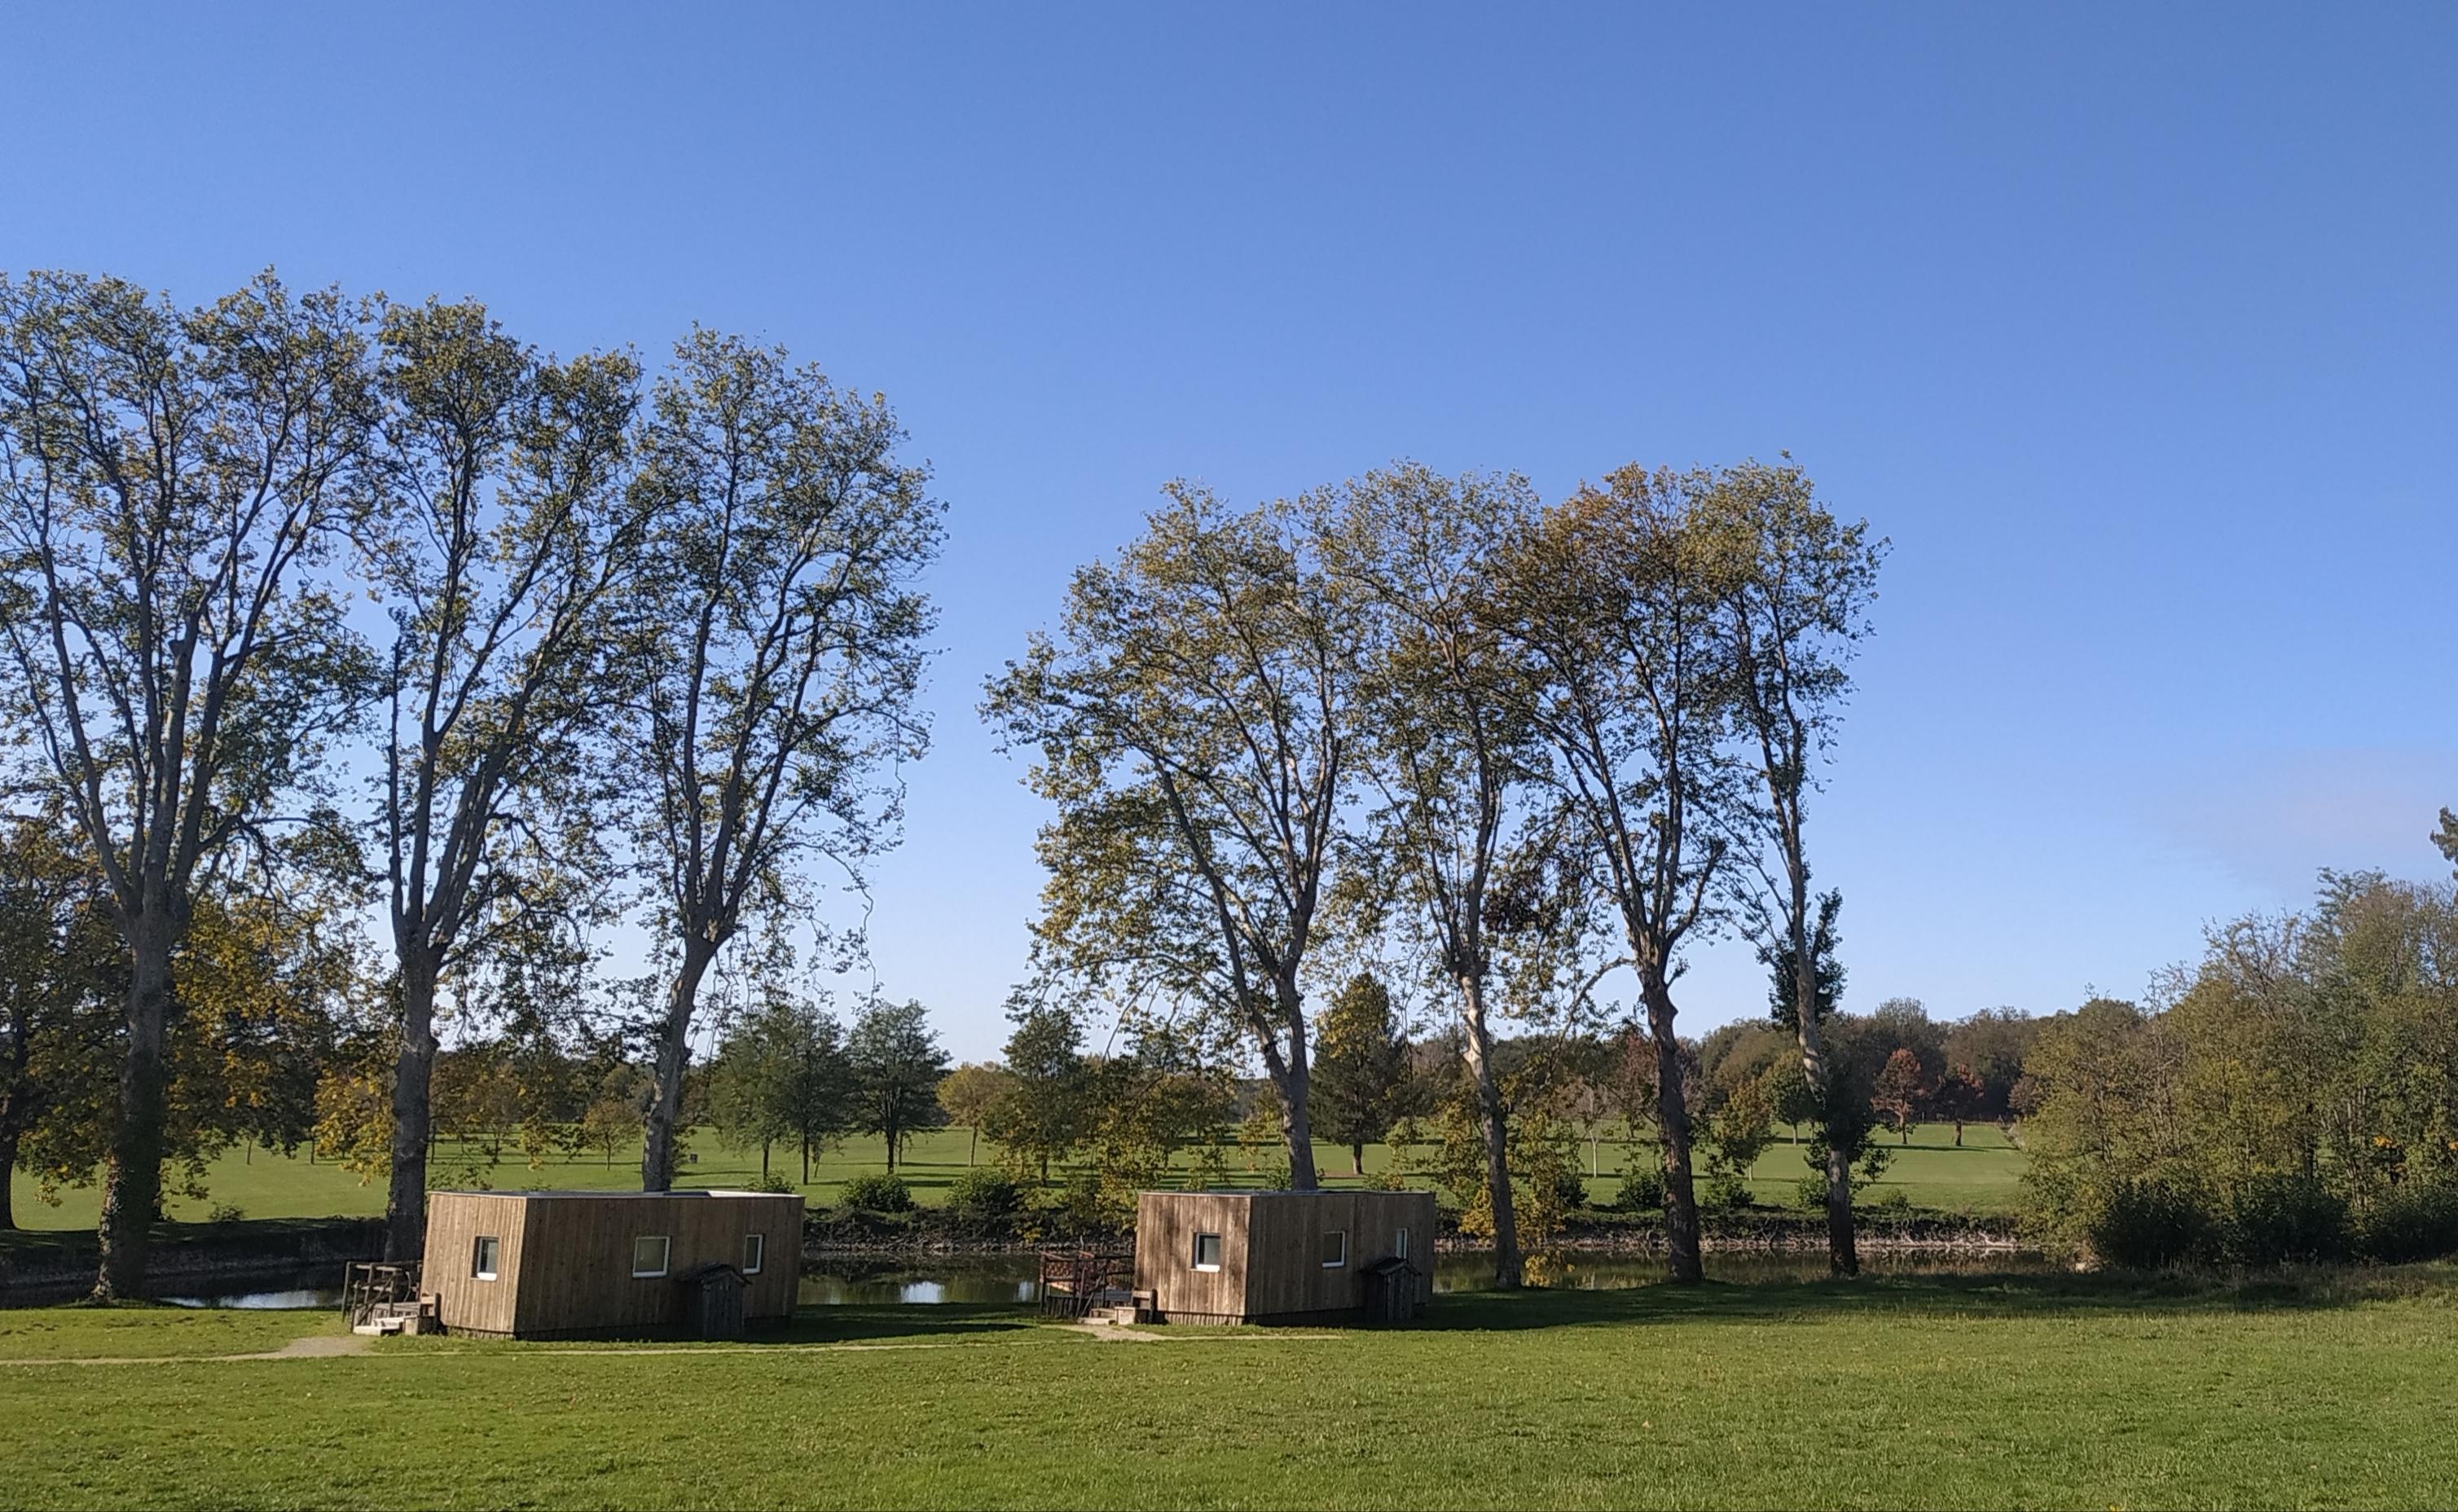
754 1249
1335 1249
649 1254
485 1257
1400 1245
1207 1251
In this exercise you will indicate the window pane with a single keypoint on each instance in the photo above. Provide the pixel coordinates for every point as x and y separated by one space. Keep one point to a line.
649 1254
484 1255
1335 1248
755 1249
1400 1246
1207 1251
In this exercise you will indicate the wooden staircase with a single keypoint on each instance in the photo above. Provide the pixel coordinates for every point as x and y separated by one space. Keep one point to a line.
384 1299
1114 1307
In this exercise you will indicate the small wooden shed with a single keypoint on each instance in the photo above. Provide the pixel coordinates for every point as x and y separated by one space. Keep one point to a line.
611 1264
1283 1257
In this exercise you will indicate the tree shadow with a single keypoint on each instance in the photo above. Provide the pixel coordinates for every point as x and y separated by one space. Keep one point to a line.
857 1322
1971 1295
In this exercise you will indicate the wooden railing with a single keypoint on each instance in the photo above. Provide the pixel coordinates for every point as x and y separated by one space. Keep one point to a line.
1072 1283
366 1286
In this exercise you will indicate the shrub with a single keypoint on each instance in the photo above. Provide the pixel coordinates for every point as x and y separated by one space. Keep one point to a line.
1566 1191
226 1213
1642 1190
767 1182
2413 1221
1894 1202
1723 1192
985 1195
878 1191
1810 1194
2144 1225
2272 1219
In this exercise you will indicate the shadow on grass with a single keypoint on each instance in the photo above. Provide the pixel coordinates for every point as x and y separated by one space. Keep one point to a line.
2011 1296
855 1322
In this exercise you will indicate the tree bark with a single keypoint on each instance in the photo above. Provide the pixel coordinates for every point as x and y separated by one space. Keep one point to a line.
1673 1119
673 1058
133 1180
1293 1083
1493 1122
1356 1159
413 1122
8 1176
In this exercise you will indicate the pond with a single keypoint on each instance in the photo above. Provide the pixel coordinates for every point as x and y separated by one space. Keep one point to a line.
998 1280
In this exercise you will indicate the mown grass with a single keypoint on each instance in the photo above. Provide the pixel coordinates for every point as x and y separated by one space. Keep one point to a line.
2305 1390
1931 1173
142 1331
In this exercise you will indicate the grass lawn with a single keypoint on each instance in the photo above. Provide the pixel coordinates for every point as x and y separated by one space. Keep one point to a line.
2321 1390
1931 1173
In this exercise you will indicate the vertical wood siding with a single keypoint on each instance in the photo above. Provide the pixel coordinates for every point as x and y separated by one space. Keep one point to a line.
1272 1249
567 1263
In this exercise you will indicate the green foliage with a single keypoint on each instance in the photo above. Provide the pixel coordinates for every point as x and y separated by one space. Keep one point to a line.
2416 1221
896 1062
2275 1218
1809 1193
1723 1192
980 1194
877 1191
1359 1076
2142 1224
1741 1130
1046 1108
1641 1191
770 1183
226 1213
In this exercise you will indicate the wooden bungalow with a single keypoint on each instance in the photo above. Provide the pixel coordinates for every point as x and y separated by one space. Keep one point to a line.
1283 1257
611 1264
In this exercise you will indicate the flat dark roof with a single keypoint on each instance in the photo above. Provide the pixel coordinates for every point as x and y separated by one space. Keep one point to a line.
602 1196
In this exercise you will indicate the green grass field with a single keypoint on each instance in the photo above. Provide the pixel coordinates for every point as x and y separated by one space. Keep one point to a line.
2318 1390
1931 1173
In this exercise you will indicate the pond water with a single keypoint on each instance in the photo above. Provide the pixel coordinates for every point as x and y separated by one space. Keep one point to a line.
998 1280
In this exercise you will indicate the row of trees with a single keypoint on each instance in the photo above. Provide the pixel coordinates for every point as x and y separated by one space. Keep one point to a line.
2313 1054
1516 746
311 603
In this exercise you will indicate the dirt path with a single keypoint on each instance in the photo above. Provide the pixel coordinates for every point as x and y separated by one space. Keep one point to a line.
315 1346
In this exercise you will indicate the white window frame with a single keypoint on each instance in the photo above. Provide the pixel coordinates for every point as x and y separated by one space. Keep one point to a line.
665 1255
754 1253
1342 1234
479 1269
1400 1245
1219 1248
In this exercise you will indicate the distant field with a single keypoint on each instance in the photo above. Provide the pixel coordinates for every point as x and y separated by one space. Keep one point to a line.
2327 1389
1980 1177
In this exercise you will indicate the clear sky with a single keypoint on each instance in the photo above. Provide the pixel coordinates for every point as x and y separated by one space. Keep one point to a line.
2134 328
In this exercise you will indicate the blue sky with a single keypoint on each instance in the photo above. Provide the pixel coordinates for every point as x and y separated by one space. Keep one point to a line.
2133 328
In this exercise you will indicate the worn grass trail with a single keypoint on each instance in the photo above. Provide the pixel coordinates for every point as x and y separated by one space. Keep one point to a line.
2329 1389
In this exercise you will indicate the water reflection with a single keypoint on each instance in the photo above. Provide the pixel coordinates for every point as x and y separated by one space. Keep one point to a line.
1007 1280
303 1297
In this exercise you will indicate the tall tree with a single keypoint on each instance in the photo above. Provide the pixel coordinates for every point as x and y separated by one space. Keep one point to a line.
1361 1069
169 482
780 644
1192 718
967 1097
1611 596
1795 584
1043 1111
509 527
1443 741
897 1063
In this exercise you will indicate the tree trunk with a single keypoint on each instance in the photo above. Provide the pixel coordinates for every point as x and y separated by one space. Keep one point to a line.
1296 1125
1958 1134
973 1144
8 1177
1673 1119
1843 1246
413 1131
673 1058
133 1177
1494 1123
1356 1159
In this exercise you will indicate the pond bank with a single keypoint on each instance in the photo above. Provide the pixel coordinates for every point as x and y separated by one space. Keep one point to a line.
42 1267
